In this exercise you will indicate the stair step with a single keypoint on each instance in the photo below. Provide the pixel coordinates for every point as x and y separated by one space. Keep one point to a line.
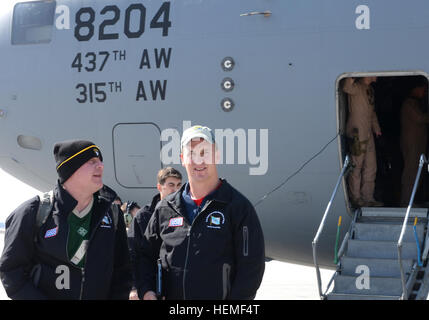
377 267
393 212
377 286
380 249
387 232
340 296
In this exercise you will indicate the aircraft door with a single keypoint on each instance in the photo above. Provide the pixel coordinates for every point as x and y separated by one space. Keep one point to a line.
136 148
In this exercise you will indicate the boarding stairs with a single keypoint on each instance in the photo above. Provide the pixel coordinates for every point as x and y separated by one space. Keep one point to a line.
384 253
371 251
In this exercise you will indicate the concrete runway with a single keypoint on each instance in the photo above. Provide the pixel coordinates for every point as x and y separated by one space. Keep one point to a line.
282 281
287 281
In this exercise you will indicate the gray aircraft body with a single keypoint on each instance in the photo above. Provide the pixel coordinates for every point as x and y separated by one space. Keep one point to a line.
131 75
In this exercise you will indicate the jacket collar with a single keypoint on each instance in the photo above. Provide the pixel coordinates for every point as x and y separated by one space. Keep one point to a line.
66 203
154 202
222 194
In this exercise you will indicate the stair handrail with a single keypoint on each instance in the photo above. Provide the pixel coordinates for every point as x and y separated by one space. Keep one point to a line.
422 161
322 224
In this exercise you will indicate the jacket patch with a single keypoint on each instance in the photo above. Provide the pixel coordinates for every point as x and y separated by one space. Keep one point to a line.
51 233
106 222
176 222
215 219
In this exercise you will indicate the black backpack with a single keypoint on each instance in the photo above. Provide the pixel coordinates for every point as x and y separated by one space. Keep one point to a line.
45 207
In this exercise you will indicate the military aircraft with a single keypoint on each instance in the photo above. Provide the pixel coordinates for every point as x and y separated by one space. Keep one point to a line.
265 75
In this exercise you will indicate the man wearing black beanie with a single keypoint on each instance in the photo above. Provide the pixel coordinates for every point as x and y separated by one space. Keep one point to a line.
80 250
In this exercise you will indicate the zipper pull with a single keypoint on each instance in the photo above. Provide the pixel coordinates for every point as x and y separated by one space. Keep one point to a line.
82 284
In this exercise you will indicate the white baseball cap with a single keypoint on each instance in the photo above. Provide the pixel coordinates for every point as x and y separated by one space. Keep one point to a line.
197 132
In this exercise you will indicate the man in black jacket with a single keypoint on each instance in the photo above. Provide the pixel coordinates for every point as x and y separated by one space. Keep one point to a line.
207 234
169 180
80 251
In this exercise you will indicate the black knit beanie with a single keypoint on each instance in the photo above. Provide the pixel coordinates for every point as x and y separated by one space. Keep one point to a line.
72 154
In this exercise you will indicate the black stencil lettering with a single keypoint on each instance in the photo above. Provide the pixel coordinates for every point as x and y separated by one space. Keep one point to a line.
109 22
165 24
158 88
162 57
145 60
141 92
135 34
86 24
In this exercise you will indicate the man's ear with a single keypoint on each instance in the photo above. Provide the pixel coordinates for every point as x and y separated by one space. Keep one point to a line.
217 156
158 186
181 159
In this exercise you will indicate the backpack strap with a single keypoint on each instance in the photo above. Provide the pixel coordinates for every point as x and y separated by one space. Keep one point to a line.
45 208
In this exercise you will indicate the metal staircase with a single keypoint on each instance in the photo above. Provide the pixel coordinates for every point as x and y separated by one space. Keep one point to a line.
371 252
381 256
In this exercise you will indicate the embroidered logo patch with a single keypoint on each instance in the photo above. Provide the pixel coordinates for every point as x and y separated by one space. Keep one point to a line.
176 222
215 219
106 222
51 233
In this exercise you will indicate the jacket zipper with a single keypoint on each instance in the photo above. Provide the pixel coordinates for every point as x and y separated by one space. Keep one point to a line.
245 241
86 256
188 235
82 270
187 249
82 282
186 262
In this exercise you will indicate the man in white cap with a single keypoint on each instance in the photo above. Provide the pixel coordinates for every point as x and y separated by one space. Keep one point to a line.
207 234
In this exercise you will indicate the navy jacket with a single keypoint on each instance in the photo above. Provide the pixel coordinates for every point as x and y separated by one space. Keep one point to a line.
42 269
219 256
137 229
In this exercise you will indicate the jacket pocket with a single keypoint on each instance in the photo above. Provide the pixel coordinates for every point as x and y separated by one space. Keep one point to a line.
226 280
245 241
35 274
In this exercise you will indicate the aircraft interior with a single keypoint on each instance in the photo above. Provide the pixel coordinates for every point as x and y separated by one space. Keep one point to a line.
390 93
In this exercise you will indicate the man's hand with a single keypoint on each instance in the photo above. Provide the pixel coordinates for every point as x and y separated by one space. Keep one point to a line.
134 295
150 295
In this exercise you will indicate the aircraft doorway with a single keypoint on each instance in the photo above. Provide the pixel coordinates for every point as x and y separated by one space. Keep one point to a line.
403 120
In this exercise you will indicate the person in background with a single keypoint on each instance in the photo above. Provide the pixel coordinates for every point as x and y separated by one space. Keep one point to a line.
362 123
118 201
169 180
130 209
414 121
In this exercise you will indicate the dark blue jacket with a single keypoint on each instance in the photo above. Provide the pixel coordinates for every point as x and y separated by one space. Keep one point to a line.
219 256
32 269
137 229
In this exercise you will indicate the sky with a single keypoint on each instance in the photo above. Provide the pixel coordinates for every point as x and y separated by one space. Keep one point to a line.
12 193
